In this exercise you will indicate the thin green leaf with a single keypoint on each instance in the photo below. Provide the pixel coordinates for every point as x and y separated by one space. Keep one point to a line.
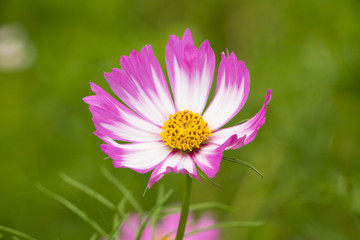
121 206
201 206
73 208
115 225
162 198
228 225
143 225
93 237
240 122
160 194
155 219
231 159
89 191
145 190
203 176
122 189
16 232
158 212
115 232
121 209
210 205
118 215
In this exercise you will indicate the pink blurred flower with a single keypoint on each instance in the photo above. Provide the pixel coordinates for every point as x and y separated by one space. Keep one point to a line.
167 227
172 136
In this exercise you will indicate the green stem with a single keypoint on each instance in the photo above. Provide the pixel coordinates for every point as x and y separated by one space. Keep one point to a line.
184 209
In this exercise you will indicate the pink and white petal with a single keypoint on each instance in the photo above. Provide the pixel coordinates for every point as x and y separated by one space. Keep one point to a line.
190 71
204 222
113 119
232 90
244 132
140 157
176 162
142 86
208 156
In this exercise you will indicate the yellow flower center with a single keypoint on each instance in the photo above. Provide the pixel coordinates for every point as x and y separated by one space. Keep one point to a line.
185 131
163 238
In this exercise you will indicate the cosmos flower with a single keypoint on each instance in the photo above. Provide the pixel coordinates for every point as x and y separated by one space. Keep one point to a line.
166 228
151 130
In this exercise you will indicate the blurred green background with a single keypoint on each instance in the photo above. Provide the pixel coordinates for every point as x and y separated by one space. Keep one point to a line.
308 52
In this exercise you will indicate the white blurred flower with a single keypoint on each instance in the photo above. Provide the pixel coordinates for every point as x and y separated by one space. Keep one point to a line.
16 51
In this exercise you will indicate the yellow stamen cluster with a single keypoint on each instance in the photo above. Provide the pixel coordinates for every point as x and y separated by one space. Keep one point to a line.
163 238
185 131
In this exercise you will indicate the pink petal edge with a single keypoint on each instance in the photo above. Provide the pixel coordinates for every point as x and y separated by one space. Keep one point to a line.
116 121
142 86
176 162
209 156
140 157
190 71
232 90
243 133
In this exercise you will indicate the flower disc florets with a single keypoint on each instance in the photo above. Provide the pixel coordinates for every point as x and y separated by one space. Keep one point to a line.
185 131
